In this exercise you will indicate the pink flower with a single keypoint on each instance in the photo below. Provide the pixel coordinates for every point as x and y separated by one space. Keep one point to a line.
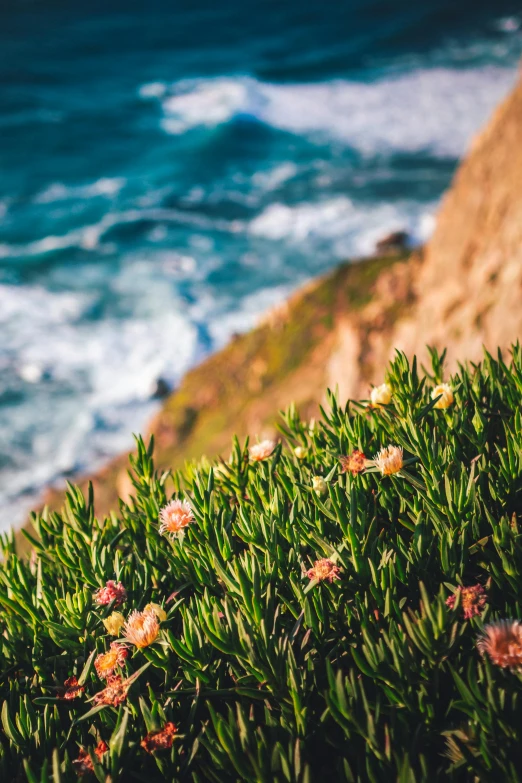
354 463
324 570
113 591
142 629
472 600
175 517
502 642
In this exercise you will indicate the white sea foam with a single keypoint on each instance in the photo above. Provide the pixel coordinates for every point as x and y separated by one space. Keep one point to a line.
350 228
273 178
152 90
433 109
110 364
509 24
106 186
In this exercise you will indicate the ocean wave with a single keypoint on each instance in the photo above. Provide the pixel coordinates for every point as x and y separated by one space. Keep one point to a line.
432 109
350 228
89 237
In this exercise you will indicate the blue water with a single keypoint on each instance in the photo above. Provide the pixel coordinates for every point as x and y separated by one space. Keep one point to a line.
168 171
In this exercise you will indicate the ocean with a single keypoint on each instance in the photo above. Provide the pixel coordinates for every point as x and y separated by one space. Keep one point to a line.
169 171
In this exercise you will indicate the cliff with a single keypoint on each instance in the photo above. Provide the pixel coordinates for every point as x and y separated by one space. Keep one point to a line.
463 291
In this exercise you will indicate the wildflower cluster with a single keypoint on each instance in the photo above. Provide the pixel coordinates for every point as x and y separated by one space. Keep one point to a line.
342 602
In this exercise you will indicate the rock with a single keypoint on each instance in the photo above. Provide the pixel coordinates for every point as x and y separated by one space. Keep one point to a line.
161 389
391 244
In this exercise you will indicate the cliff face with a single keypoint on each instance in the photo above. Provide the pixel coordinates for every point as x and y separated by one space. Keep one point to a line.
463 292
468 289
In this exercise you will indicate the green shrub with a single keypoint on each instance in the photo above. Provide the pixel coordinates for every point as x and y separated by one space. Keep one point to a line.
261 672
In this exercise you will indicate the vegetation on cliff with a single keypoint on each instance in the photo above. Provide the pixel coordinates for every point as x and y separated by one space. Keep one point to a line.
304 610
238 390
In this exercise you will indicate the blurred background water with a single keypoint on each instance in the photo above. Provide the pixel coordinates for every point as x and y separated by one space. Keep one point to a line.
169 171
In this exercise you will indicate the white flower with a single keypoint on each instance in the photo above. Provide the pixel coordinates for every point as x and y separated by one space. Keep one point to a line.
261 451
381 395
389 460
445 392
319 485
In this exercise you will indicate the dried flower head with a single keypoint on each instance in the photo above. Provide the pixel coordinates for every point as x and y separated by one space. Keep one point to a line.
300 452
157 610
261 451
380 395
114 693
159 740
142 629
319 485
445 392
175 517
83 764
354 463
114 623
389 460
106 663
71 689
472 600
324 570
112 592
502 642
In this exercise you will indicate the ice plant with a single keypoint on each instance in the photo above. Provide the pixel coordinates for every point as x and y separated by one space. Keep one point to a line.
380 395
159 740
354 463
472 600
156 610
106 663
142 629
324 570
83 764
501 641
113 593
261 451
114 623
445 392
319 485
71 689
175 517
114 693
389 460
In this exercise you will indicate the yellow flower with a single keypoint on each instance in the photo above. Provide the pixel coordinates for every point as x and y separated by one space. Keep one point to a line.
380 395
141 629
389 460
114 623
157 610
300 452
445 392
106 663
319 485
